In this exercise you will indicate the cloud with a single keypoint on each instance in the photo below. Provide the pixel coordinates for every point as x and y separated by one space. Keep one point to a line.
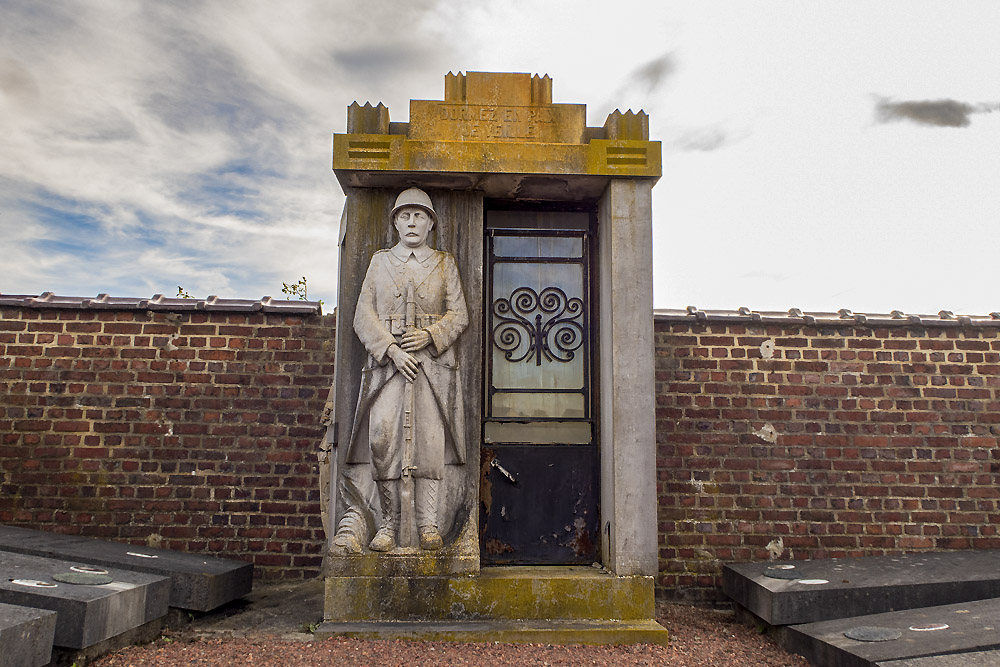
639 87
705 140
937 113
17 84
651 75
148 145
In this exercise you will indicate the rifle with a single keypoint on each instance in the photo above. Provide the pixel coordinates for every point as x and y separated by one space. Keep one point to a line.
407 509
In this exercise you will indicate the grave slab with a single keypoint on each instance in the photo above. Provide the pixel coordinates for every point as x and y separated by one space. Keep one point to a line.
965 628
197 582
780 592
977 659
87 613
26 636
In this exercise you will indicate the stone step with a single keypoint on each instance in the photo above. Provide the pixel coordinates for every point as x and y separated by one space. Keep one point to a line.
198 583
26 636
968 629
88 614
495 593
819 590
518 632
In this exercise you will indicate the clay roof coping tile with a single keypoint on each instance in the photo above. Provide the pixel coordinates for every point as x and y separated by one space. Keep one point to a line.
842 317
161 303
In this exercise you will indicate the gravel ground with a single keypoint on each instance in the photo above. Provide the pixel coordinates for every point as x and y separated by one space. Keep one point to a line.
269 631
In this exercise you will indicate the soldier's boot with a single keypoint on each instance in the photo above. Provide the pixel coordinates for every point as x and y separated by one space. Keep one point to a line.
388 496
345 543
426 510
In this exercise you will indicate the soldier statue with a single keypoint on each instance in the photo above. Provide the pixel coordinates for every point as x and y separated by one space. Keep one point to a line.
410 312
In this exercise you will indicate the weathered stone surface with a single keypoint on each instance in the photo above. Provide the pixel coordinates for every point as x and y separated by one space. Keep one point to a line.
500 136
87 614
492 123
497 593
366 228
974 659
511 106
410 419
859 586
540 632
197 582
971 626
628 429
25 636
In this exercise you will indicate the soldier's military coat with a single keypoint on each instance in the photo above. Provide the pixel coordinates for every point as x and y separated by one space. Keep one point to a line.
379 321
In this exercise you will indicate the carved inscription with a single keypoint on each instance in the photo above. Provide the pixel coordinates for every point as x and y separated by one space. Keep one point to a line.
475 121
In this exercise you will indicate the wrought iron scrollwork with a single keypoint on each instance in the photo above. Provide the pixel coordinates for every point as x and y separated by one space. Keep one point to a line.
555 339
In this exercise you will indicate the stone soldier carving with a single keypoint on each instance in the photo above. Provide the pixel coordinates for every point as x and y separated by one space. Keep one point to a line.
410 312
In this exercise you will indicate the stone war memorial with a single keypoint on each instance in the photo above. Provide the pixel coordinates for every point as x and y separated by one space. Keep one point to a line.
514 445
488 469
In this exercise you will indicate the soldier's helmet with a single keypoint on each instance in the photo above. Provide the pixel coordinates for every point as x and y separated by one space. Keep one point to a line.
414 197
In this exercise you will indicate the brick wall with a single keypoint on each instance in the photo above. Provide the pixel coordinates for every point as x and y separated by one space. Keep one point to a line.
198 431
846 441
195 431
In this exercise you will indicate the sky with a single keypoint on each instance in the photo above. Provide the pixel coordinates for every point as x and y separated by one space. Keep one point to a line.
816 155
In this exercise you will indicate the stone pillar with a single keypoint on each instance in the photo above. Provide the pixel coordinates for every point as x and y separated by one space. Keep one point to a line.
628 452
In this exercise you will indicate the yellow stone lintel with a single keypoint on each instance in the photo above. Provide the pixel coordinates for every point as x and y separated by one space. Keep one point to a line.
397 153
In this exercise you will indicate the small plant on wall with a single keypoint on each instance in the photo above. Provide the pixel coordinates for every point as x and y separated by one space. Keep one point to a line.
298 290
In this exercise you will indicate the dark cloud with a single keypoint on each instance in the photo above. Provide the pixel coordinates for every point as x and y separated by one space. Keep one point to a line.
206 88
370 62
937 113
652 74
708 139
17 83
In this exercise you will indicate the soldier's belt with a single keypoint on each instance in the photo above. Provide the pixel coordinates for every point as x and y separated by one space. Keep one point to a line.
397 323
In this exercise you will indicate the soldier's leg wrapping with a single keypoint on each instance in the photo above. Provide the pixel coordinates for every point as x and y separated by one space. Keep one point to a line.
358 496
426 510
388 494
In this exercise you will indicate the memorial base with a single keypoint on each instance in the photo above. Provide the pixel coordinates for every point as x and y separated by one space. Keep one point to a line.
605 631
552 604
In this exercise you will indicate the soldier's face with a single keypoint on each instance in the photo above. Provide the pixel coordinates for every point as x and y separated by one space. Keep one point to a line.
413 224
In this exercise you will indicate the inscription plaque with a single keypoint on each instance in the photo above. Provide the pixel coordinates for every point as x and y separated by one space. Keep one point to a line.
444 121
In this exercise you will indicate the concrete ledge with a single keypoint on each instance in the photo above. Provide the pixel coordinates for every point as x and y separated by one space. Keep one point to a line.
502 593
26 636
199 583
516 632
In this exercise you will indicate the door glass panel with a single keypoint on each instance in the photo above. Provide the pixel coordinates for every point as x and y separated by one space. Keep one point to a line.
577 220
563 406
537 246
538 326
533 433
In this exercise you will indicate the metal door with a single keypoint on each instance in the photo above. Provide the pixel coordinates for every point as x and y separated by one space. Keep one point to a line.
539 475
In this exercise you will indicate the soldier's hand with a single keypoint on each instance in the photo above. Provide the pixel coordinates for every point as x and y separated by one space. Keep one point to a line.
415 340
405 362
